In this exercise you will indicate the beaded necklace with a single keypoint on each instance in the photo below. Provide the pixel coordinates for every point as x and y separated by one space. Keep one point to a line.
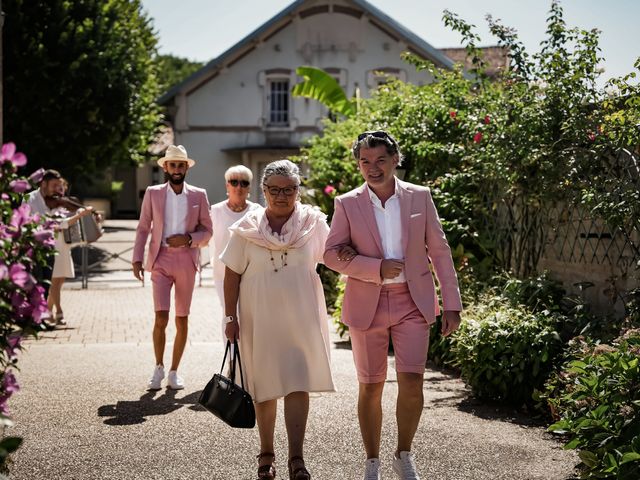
283 260
236 209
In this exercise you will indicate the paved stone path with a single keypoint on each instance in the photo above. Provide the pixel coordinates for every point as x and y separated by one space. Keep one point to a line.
84 412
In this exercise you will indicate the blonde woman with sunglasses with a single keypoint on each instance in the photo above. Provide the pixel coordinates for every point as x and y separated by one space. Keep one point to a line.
224 214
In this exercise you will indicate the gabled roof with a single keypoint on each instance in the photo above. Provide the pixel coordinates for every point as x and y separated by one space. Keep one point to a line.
389 25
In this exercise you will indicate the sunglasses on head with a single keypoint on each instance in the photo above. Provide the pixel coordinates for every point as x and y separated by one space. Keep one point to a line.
376 134
242 183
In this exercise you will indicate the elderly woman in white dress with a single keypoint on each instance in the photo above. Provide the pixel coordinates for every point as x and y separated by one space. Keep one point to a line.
224 214
275 307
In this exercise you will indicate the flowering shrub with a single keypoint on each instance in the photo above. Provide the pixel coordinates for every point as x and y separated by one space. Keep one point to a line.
26 242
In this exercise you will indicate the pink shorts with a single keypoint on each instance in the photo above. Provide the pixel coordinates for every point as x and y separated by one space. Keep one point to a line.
396 316
173 266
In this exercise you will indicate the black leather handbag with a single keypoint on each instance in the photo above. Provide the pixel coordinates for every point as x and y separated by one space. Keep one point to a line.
229 402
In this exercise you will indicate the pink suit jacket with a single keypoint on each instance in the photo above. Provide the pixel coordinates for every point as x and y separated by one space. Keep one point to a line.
423 242
198 223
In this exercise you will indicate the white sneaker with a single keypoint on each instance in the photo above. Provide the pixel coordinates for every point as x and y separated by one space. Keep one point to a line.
174 381
372 469
155 382
405 466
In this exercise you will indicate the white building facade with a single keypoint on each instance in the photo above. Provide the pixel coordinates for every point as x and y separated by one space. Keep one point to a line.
238 109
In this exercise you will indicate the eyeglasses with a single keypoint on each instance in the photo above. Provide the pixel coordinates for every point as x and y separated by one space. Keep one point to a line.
377 134
242 183
275 191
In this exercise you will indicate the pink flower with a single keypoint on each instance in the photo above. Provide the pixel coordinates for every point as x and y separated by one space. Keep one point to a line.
36 297
592 137
9 387
5 196
19 275
329 189
39 313
36 177
487 120
8 150
21 216
38 304
477 138
21 307
19 186
45 237
453 114
9 154
9 382
13 346
4 271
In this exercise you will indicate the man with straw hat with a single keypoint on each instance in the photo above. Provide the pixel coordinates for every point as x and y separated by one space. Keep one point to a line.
176 215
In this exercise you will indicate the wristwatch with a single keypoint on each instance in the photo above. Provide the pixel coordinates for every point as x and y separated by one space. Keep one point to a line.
229 318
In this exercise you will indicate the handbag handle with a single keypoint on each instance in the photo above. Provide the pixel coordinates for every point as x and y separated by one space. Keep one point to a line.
236 355
224 359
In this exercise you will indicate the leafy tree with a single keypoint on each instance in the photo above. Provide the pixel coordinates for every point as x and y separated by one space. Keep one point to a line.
499 155
80 83
172 70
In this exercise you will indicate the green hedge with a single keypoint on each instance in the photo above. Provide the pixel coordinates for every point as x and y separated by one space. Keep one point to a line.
595 397
504 353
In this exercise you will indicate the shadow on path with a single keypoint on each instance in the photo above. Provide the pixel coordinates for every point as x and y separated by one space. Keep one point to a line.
132 412
499 412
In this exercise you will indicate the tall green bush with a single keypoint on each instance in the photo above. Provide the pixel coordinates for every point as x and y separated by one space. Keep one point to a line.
595 398
504 353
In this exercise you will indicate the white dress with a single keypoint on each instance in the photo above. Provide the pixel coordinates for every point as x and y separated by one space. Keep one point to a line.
63 262
222 217
284 337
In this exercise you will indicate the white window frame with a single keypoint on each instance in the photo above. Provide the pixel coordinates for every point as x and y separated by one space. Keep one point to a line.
265 80
278 108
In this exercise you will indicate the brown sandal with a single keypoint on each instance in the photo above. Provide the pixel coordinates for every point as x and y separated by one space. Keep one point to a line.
300 473
268 471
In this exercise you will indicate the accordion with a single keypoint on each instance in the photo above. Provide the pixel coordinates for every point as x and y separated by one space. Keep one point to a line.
85 230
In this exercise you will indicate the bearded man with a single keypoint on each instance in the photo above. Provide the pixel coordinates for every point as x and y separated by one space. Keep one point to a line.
176 215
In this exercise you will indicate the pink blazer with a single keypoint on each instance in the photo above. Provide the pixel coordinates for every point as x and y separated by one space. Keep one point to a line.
151 221
423 242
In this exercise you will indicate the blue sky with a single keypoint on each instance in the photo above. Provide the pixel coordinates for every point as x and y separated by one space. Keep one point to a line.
203 29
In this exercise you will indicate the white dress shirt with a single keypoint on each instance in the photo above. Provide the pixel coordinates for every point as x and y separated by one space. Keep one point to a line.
390 229
175 214
35 200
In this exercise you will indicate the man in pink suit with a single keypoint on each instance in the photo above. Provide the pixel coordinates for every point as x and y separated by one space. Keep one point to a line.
177 217
385 236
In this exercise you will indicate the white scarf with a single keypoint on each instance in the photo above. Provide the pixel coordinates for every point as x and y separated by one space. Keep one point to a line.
296 232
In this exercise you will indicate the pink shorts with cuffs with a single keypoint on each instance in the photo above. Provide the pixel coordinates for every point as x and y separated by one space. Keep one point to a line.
173 266
398 318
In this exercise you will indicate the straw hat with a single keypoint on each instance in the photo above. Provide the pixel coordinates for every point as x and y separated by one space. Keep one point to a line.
176 154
